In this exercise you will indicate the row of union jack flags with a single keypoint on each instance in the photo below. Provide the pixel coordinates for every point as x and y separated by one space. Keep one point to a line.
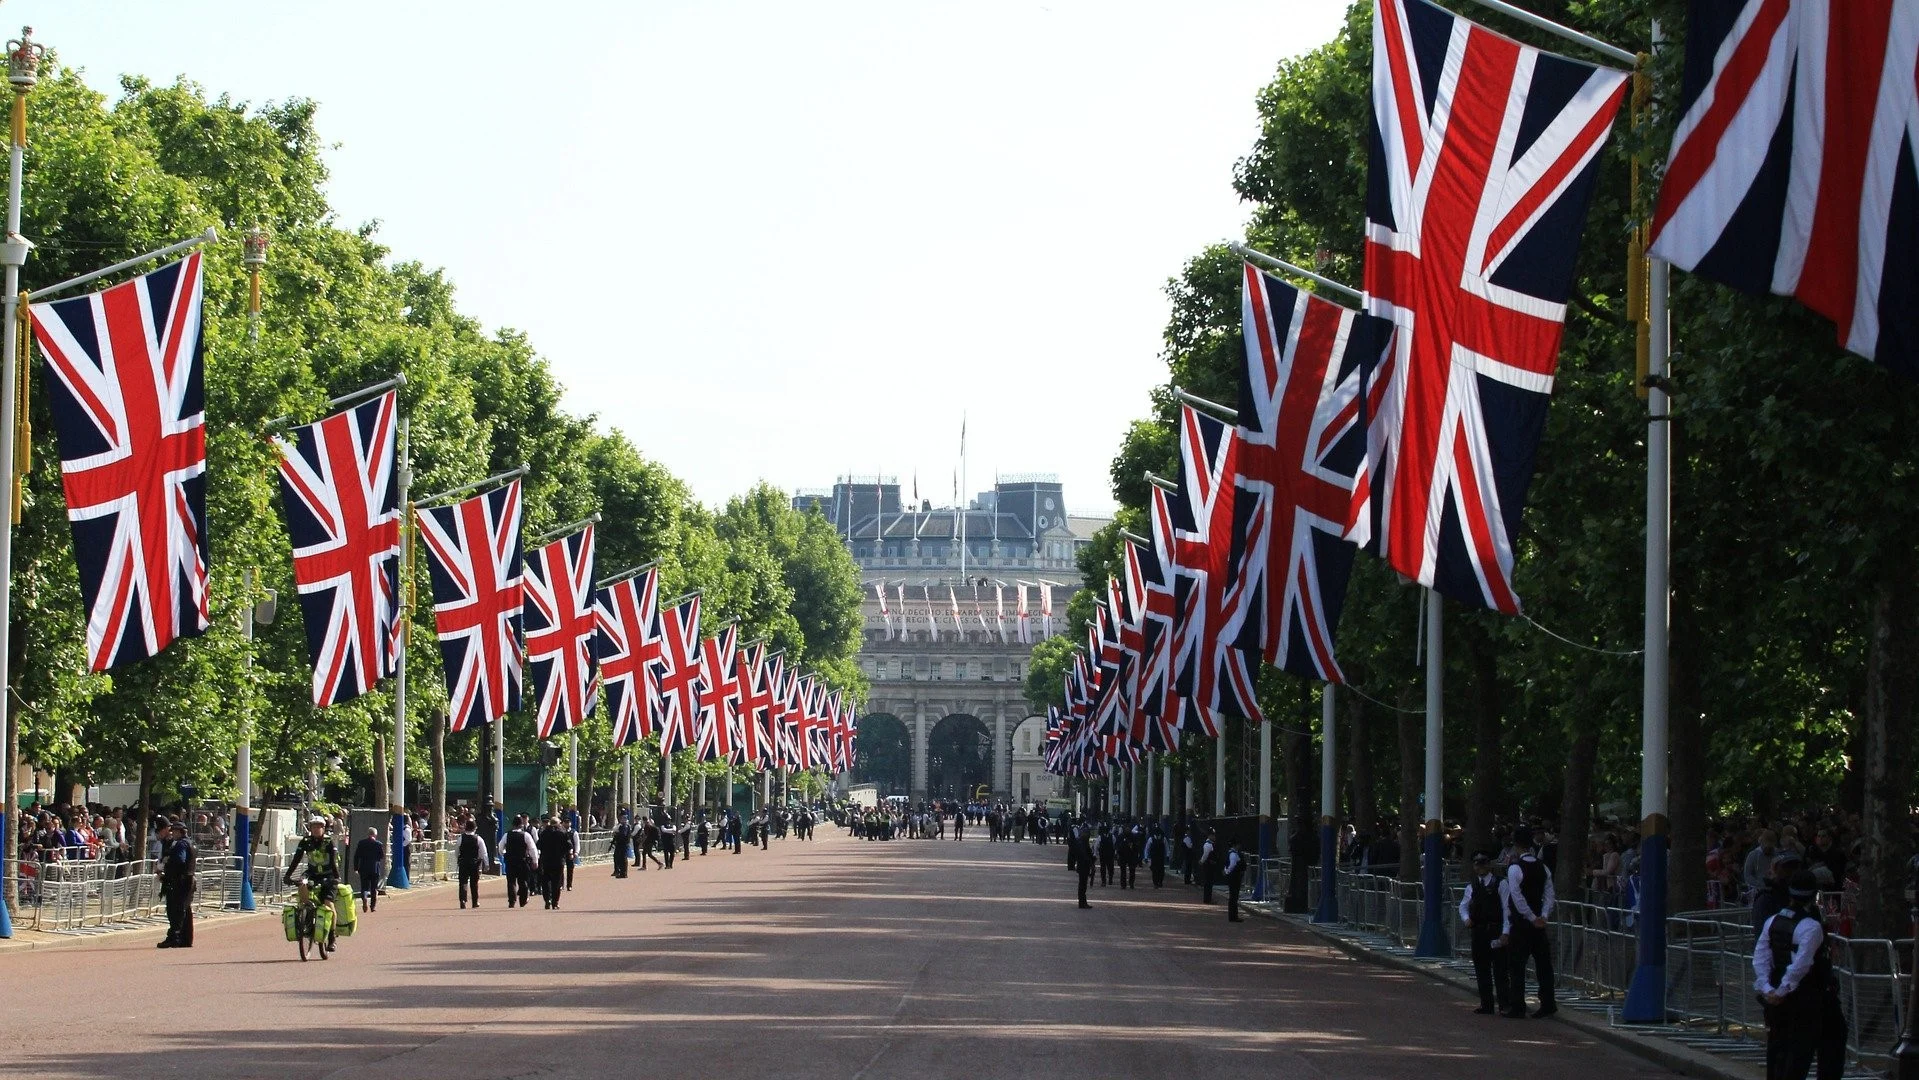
126 375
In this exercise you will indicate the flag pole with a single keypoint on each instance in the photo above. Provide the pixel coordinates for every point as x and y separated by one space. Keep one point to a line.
1328 805
397 876
243 761
624 574
568 529
1277 263
1432 923
1645 1001
207 237
511 474
1220 412
23 71
1568 33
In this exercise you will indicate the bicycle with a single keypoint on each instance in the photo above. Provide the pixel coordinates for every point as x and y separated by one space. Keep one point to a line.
306 918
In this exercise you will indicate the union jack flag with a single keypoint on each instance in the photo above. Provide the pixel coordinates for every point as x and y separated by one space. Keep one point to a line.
343 516
560 626
628 647
758 677
1159 708
473 553
719 695
1214 674
1483 158
125 378
1791 169
679 676
1301 443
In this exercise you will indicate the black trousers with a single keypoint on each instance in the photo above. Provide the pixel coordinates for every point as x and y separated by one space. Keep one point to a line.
370 889
180 918
1808 1028
686 845
671 850
1529 942
619 860
1489 967
1206 884
550 881
1159 874
1106 871
763 834
1128 875
1232 898
1085 877
516 874
470 881
569 874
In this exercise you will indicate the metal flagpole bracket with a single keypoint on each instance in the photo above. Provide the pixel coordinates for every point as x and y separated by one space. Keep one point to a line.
1136 538
1219 411
624 574
568 530
1159 481
1568 33
351 397
207 237
1277 263
496 478
681 599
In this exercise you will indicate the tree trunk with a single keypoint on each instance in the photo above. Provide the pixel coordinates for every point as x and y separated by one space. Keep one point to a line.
149 764
379 784
1575 814
1484 661
1891 676
436 751
1412 777
1686 769
1359 738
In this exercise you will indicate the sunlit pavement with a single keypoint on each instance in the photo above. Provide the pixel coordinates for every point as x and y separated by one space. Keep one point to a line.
835 958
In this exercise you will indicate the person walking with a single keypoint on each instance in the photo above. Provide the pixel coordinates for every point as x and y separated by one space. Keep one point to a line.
1129 842
1483 910
1108 856
368 856
1529 903
469 855
1156 856
521 858
573 846
1080 856
554 850
622 839
1235 874
1792 969
1211 858
177 865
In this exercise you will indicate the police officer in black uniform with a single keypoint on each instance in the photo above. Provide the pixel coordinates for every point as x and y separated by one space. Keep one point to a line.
1792 965
1529 903
1156 856
1234 874
622 838
517 851
555 849
176 885
1079 852
1483 910
469 856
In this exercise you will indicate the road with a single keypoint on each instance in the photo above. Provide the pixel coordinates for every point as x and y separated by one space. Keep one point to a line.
837 958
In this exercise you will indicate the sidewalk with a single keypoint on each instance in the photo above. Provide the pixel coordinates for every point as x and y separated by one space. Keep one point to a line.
1689 1051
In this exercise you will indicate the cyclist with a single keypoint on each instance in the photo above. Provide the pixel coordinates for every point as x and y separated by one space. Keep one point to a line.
322 864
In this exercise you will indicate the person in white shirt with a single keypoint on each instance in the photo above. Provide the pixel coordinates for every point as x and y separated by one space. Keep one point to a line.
1529 903
1483 910
1792 974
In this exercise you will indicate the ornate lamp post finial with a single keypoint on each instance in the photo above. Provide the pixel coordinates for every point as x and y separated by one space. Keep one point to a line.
23 61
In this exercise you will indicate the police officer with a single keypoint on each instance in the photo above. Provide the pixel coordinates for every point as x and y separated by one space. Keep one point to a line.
622 836
1108 856
1235 874
176 885
1079 852
517 850
1529 903
470 855
1483 910
555 850
1156 856
1792 968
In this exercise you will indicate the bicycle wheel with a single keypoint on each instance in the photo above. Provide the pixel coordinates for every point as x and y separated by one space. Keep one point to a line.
319 946
303 933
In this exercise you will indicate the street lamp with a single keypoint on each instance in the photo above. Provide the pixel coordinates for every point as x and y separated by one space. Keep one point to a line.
253 256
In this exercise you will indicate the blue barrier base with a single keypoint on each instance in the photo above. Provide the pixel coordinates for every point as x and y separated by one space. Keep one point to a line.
1432 925
243 843
1328 875
6 920
1646 995
396 856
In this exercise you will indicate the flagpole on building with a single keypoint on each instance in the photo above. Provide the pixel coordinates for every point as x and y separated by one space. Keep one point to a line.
397 876
23 71
1328 805
1432 923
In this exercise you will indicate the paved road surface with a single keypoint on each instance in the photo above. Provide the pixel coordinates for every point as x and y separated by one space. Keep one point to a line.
839 958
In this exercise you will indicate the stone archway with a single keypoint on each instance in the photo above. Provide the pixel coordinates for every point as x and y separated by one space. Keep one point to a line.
959 757
884 754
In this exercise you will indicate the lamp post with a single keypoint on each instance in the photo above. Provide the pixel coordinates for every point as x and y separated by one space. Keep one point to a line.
262 613
23 72
253 256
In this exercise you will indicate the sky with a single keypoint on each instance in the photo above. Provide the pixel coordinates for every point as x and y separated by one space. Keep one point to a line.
772 240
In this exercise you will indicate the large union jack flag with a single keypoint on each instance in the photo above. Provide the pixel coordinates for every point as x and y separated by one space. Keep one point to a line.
1483 158
718 738
758 676
560 625
126 384
1213 673
679 676
343 517
627 647
473 554
1793 168
1301 445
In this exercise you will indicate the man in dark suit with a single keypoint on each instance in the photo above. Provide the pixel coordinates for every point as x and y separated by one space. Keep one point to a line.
1079 852
470 855
556 848
368 856
622 839
517 852
1156 856
1129 858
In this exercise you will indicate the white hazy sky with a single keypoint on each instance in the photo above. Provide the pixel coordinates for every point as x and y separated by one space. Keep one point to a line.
777 240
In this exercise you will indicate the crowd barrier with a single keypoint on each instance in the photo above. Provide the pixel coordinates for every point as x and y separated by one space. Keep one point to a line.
1708 956
79 895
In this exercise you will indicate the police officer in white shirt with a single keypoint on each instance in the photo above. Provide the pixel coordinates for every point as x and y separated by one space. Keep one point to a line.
1792 969
1529 903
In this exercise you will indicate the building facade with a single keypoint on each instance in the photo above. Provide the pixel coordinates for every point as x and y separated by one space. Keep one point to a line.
944 647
